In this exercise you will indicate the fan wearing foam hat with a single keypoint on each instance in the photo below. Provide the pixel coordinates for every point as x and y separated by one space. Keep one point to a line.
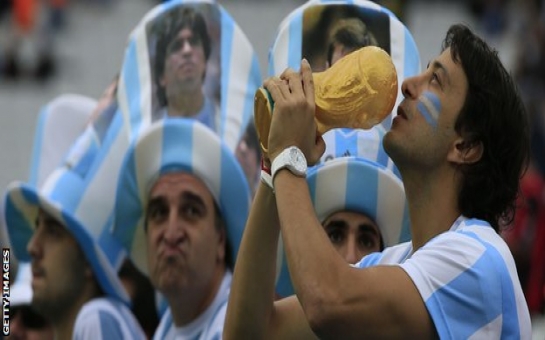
358 200
74 283
181 206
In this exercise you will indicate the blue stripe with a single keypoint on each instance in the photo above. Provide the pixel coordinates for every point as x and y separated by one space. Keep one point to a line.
459 315
411 65
109 328
19 230
131 78
295 41
370 260
358 182
130 207
346 143
227 28
35 161
178 150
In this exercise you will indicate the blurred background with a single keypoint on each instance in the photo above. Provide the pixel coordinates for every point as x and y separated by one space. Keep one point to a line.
77 46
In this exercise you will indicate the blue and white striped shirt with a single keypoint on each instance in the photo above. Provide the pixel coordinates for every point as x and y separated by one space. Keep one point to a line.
468 281
106 318
207 326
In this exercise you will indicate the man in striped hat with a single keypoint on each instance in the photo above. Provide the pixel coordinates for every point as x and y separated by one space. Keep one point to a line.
182 202
74 281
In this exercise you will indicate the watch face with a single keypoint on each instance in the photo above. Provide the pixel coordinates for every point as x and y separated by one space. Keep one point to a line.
298 160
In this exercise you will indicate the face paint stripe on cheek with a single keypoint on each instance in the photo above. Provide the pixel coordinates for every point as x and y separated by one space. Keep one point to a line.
429 106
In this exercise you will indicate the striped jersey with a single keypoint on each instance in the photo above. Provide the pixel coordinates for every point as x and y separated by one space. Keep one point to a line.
207 326
468 281
106 318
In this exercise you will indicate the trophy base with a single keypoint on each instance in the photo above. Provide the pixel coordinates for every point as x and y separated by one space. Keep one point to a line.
263 108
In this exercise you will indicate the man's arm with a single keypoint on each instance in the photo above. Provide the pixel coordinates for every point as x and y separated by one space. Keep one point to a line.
251 311
338 300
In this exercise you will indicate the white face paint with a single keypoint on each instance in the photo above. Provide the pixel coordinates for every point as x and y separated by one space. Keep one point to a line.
429 106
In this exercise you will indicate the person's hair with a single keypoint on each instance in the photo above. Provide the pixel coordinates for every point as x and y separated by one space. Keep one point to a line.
167 29
493 114
352 33
143 298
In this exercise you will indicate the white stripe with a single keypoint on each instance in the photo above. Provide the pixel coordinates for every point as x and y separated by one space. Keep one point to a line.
239 71
144 73
386 205
207 156
488 331
100 192
281 48
327 182
123 102
397 51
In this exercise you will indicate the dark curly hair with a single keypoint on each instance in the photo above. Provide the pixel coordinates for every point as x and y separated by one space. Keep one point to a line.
493 114
167 29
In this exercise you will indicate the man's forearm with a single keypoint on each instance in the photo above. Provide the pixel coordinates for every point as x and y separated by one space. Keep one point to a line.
252 293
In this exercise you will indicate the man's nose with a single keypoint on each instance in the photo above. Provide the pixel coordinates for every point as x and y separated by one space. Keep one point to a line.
174 230
351 254
412 86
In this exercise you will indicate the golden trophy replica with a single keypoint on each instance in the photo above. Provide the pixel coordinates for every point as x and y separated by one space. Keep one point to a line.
357 92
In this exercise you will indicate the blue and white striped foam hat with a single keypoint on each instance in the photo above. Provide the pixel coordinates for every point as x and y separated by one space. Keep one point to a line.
240 75
59 123
359 185
59 197
367 144
286 50
178 145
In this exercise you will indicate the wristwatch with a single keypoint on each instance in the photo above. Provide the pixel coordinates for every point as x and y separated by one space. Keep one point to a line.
291 158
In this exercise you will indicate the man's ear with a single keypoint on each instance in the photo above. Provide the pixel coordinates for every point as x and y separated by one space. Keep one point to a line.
464 152
222 244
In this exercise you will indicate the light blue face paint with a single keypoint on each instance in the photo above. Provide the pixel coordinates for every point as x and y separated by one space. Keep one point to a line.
429 106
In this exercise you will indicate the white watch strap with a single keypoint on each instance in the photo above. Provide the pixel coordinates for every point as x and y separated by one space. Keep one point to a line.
267 179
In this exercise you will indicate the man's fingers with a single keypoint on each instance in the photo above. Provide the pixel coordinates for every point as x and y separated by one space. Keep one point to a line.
308 80
278 88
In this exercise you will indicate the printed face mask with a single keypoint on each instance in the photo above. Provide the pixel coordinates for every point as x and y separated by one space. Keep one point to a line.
429 106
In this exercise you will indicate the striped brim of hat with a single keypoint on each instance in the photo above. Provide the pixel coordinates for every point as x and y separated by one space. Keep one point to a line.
178 145
358 185
58 197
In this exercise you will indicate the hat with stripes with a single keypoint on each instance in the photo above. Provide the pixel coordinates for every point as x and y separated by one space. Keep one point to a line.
178 145
59 197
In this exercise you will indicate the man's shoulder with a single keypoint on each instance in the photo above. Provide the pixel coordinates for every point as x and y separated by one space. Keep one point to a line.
104 317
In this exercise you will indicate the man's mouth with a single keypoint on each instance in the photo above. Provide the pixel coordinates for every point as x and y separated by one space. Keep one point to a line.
401 112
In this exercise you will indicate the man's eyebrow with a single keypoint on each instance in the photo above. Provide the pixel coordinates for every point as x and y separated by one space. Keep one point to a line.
336 224
368 228
192 197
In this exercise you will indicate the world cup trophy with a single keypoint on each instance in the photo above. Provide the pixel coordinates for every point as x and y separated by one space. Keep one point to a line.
357 92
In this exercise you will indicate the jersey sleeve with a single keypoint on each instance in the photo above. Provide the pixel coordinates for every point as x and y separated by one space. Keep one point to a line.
464 283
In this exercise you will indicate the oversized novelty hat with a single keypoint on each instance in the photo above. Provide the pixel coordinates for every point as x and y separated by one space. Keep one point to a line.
178 145
59 197
307 22
356 174
358 185
59 124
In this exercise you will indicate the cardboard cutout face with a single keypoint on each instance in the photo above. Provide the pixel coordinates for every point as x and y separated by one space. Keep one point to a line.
184 54
332 31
